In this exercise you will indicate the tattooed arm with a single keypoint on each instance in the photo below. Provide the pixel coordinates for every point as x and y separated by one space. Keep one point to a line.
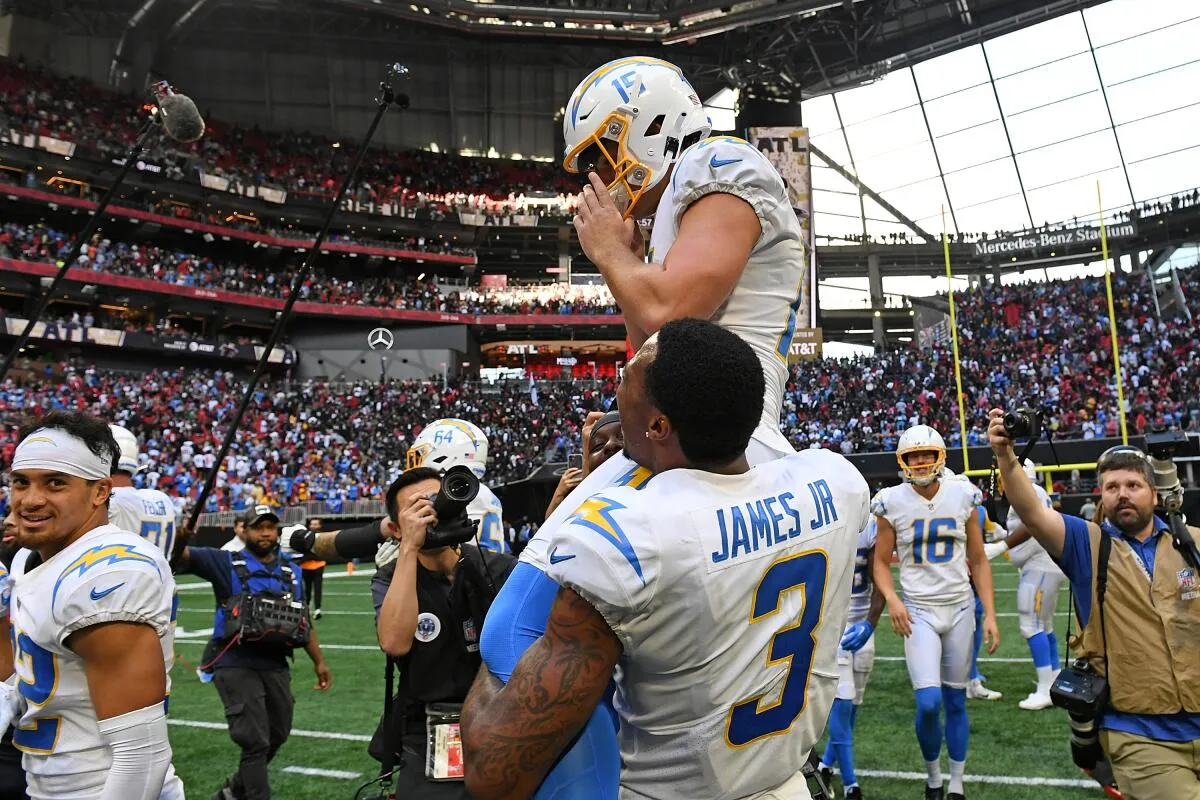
512 739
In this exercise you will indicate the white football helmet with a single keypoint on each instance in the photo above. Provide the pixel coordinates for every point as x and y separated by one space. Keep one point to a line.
917 439
447 443
128 445
639 113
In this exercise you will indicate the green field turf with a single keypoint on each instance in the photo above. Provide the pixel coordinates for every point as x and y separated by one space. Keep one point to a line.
1008 744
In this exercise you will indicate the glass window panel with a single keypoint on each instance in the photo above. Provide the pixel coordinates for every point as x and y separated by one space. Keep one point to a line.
827 178
1058 121
819 116
882 228
894 132
836 203
1042 85
969 187
1036 45
1077 197
1152 52
898 167
834 146
962 110
892 93
1002 214
1120 19
834 225
1084 155
979 145
951 72
1162 134
917 200
1152 94
1165 175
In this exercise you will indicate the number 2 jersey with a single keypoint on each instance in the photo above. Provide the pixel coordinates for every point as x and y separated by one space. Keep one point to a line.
107 575
770 298
931 538
147 512
728 594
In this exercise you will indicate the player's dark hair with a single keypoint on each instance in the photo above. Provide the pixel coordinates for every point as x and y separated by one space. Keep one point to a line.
407 478
710 385
94 431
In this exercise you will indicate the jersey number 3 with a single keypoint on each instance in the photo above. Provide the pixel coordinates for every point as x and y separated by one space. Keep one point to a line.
792 644
37 669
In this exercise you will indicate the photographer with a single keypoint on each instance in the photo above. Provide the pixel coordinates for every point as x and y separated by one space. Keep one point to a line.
430 603
1138 601
251 671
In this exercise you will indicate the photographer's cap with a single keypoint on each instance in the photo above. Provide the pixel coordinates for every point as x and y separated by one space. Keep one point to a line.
256 514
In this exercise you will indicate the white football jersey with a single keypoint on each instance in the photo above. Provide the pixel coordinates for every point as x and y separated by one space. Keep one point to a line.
729 594
1030 553
931 538
147 512
107 575
487 511
860 589
764 308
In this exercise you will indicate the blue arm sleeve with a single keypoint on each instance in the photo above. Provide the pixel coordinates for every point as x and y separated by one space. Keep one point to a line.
516 619
591 768
1076 564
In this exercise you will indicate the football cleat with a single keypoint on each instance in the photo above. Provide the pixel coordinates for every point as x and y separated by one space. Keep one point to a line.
854 793
935 793
1036 702
977 691
956 796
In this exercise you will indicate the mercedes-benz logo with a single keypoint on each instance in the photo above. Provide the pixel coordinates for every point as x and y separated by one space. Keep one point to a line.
380 339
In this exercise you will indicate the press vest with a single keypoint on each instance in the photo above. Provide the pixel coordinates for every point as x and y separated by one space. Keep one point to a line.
277 578
1153 628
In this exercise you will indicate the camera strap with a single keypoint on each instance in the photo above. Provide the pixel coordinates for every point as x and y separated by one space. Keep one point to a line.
393 738
1101 588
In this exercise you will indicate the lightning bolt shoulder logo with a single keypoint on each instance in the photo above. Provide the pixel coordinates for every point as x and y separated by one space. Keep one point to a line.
102 554
596 514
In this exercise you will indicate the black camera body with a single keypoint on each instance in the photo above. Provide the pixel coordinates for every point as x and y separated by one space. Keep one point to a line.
1083 693
1024 422
459 487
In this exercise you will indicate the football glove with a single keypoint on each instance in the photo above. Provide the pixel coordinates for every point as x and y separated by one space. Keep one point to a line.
856 636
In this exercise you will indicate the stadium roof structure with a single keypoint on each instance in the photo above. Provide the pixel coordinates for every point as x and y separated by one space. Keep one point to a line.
789 47
1015 132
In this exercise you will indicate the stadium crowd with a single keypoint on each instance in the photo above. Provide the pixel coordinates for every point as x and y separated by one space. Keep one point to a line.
1043 342
167 265
304 441
38 101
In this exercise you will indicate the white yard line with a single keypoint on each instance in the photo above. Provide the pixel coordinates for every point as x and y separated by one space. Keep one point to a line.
323 773
1000 780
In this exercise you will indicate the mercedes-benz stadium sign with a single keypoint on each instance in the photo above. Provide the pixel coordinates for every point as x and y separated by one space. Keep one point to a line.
1029 242
380 339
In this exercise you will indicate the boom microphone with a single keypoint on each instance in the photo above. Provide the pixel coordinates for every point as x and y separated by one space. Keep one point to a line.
181 119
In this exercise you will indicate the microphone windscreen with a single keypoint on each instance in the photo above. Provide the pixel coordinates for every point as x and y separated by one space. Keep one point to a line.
180 118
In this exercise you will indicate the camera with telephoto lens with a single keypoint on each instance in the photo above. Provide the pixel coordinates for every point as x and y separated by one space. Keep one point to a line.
1023 423
1083 693
459 487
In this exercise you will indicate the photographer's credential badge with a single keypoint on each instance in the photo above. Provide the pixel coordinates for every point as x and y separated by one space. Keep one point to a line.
428 627
1188 587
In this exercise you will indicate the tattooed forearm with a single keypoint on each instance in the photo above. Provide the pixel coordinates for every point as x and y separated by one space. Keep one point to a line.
511 741
483 691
